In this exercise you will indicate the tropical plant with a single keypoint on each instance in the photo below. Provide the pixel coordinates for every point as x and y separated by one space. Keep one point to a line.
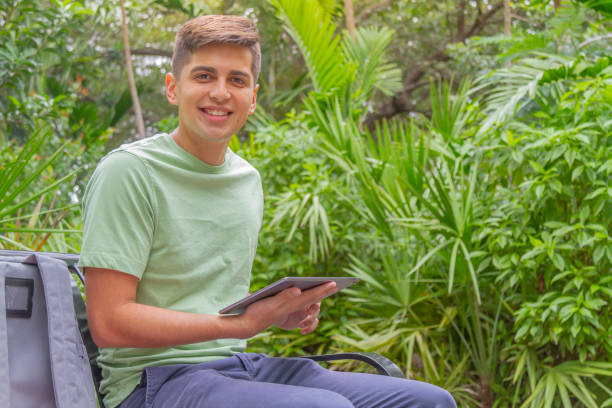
26 182
479 236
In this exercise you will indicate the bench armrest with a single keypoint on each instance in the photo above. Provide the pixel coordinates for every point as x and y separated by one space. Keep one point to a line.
381 363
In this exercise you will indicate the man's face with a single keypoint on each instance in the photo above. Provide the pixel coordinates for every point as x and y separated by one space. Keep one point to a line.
215 92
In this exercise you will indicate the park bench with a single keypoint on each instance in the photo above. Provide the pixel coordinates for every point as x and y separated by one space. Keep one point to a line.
383 365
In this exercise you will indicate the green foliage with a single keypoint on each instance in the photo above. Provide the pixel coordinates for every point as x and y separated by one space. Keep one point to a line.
34 36
46 122
367 51
560 201
604 6
25 181
312 29
490 230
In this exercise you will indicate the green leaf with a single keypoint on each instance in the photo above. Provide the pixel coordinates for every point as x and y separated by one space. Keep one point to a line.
577 172
599 253
312 29
565 230
596 193
537 167
367 51
555 224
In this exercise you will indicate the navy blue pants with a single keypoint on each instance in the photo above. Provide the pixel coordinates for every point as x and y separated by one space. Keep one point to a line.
258 381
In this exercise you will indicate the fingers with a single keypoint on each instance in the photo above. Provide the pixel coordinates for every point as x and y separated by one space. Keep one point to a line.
294 299
316 294
310 328
290 293
310 321
293 308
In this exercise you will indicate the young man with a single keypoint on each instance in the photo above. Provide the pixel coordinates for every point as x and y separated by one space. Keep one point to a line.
170 233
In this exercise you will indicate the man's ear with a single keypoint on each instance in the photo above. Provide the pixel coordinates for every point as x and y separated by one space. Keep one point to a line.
254 101
171 89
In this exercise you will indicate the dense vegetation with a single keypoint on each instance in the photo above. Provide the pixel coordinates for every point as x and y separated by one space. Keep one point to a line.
462 174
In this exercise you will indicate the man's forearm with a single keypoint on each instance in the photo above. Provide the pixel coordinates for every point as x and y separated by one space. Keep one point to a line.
117 320
136 325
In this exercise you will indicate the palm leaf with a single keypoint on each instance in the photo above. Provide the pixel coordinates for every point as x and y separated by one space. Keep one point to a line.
605 6
313 30
367 51
448 112
565 381
15 168
510 88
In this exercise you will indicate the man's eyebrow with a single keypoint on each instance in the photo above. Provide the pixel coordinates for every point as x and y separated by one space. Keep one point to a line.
203 68
214 71
240 73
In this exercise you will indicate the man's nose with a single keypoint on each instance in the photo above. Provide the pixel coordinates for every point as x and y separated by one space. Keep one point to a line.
220 91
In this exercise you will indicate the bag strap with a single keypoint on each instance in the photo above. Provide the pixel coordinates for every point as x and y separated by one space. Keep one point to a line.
90 346
62 327
5 389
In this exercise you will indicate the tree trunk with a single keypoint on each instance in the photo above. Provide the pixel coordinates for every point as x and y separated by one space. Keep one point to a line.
486 395
350 17
130 72
461 19
507 18
556 4
272 72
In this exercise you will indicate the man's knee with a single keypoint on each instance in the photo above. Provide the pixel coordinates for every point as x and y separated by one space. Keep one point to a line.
312 398
417 394
326 399
437 397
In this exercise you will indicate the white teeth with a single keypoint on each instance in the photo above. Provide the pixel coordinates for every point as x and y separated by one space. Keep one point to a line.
216 112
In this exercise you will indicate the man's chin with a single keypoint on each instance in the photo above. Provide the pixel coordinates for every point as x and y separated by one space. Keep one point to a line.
213 139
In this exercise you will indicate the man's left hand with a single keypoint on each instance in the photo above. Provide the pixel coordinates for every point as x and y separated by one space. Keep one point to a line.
307 319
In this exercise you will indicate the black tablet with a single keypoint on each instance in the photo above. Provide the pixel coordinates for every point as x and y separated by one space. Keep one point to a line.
282 284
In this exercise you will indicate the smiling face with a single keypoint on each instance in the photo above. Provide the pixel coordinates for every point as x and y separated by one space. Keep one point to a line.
215 93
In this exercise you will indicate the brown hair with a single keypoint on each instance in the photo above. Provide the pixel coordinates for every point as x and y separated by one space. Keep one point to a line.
215 29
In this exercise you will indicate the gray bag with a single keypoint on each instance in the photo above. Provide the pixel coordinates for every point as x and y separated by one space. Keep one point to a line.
43 362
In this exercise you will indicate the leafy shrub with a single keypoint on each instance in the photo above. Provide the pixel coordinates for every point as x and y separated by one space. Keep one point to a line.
487 268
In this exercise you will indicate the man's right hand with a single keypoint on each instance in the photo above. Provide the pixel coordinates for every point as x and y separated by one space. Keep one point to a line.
290 309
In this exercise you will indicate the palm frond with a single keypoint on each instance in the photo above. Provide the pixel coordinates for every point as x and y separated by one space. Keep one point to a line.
542 76
565 382
305 211
604 6
448 112
367 50
312 29
15 179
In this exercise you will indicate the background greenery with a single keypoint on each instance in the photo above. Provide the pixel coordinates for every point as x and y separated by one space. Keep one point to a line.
464 175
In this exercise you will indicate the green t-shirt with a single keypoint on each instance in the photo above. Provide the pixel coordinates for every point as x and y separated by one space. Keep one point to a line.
186 229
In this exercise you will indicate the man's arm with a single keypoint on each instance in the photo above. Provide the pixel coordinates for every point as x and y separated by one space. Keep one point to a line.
117 320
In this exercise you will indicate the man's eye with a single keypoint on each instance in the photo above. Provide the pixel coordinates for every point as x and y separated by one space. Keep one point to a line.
239 81
202 76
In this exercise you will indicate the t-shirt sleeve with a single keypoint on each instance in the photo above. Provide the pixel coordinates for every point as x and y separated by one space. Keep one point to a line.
118 215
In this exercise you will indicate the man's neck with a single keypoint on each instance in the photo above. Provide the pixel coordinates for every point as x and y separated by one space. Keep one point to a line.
209 152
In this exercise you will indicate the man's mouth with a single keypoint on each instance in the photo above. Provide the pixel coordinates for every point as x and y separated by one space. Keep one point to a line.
214 112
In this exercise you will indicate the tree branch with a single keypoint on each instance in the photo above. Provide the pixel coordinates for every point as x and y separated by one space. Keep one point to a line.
595 39
481 21
401 101
152 51
130 73
350 17
368 11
